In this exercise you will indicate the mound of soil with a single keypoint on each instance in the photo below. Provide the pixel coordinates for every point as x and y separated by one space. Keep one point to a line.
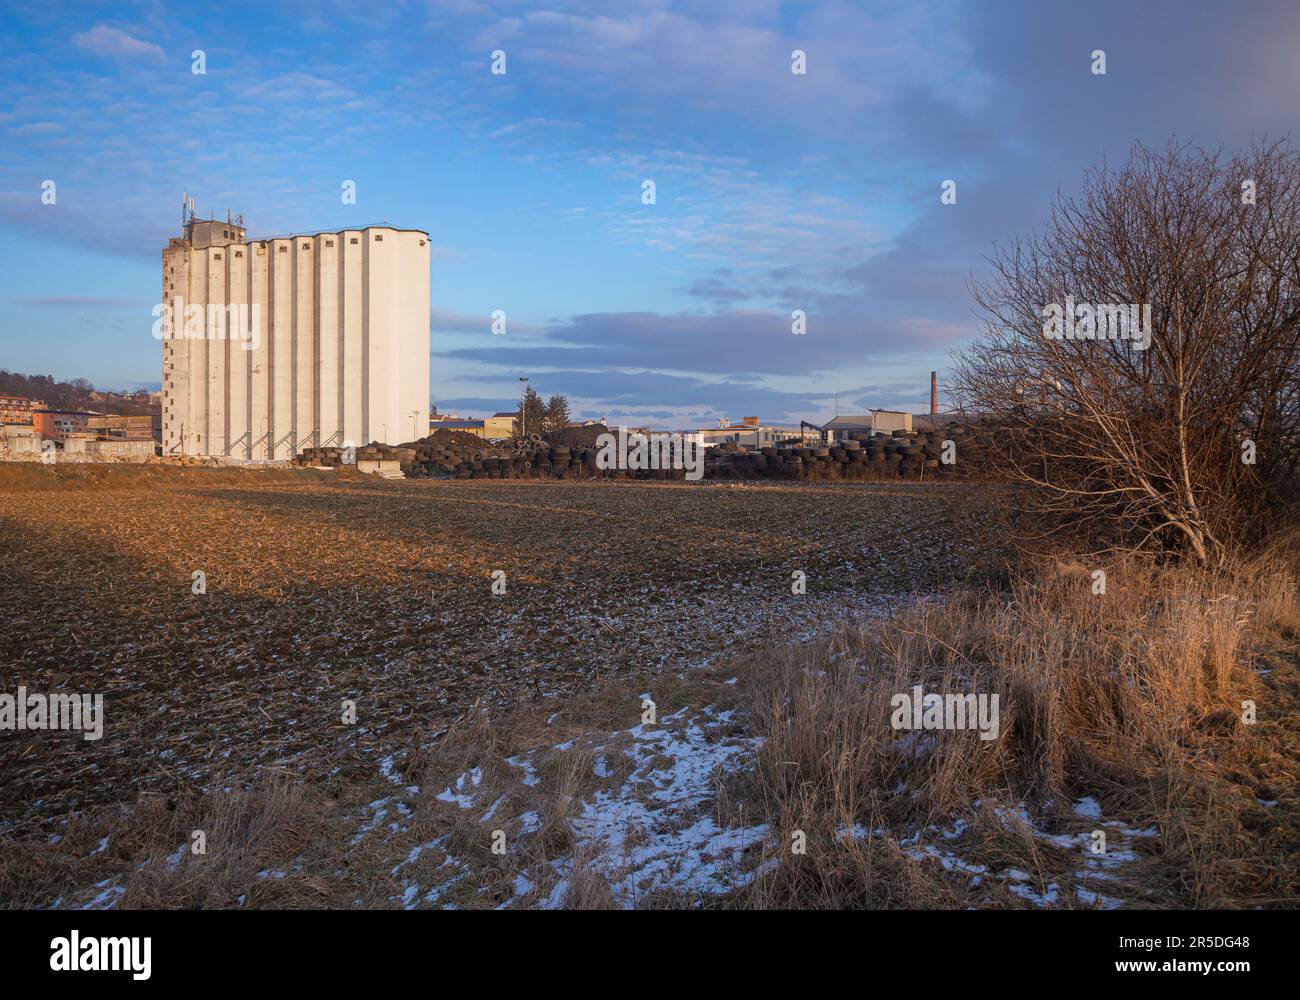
577 437
445 436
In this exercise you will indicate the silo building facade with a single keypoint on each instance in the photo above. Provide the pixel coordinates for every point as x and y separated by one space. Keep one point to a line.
271 346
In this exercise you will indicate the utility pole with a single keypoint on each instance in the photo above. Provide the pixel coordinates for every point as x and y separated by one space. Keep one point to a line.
523 408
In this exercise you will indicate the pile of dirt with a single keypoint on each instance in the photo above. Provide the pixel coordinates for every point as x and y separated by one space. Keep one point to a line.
447 437
577 437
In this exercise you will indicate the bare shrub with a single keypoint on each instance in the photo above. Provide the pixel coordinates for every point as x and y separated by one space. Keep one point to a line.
1144 447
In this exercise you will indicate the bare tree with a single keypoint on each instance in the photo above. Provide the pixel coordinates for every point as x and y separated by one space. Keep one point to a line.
1188 442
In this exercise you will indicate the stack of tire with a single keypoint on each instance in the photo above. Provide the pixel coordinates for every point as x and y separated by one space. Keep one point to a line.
860 456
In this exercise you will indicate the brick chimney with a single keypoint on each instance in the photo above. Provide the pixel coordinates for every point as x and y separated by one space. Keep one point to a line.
934 393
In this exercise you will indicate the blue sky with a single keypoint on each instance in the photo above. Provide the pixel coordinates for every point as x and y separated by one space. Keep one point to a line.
775 192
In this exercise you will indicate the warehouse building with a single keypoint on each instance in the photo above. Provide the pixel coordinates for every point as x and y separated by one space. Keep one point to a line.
502 425
875 422
274 345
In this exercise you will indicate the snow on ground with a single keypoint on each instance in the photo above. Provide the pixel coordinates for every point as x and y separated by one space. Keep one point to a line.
1096 866
651 827
1101 857
656 829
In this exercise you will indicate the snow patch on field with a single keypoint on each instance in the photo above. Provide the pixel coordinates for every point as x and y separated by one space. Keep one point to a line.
653 828
646 821
1104 866
462 796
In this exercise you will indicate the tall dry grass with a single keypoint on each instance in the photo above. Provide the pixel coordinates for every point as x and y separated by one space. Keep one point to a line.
143 858
1134 697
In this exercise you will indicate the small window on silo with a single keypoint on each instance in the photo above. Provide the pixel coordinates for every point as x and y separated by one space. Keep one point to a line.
353 240
421 242
379 237
306 246
284 249
239 253
329 243
216 256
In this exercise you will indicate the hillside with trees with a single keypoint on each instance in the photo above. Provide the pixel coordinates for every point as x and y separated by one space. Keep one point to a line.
79 394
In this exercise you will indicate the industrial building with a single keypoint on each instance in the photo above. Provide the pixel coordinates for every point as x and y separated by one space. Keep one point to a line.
274 345
875 422
750 432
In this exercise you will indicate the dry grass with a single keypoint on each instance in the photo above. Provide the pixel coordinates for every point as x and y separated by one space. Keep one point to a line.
1133 698
140 856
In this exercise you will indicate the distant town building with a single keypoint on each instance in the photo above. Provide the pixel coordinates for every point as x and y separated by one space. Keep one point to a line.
18 409
502 425
56 425
750 432
141 397
297 341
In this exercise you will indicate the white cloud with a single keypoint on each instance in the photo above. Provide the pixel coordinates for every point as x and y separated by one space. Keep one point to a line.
105 41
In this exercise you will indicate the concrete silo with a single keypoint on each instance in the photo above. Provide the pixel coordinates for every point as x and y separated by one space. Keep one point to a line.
279 344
